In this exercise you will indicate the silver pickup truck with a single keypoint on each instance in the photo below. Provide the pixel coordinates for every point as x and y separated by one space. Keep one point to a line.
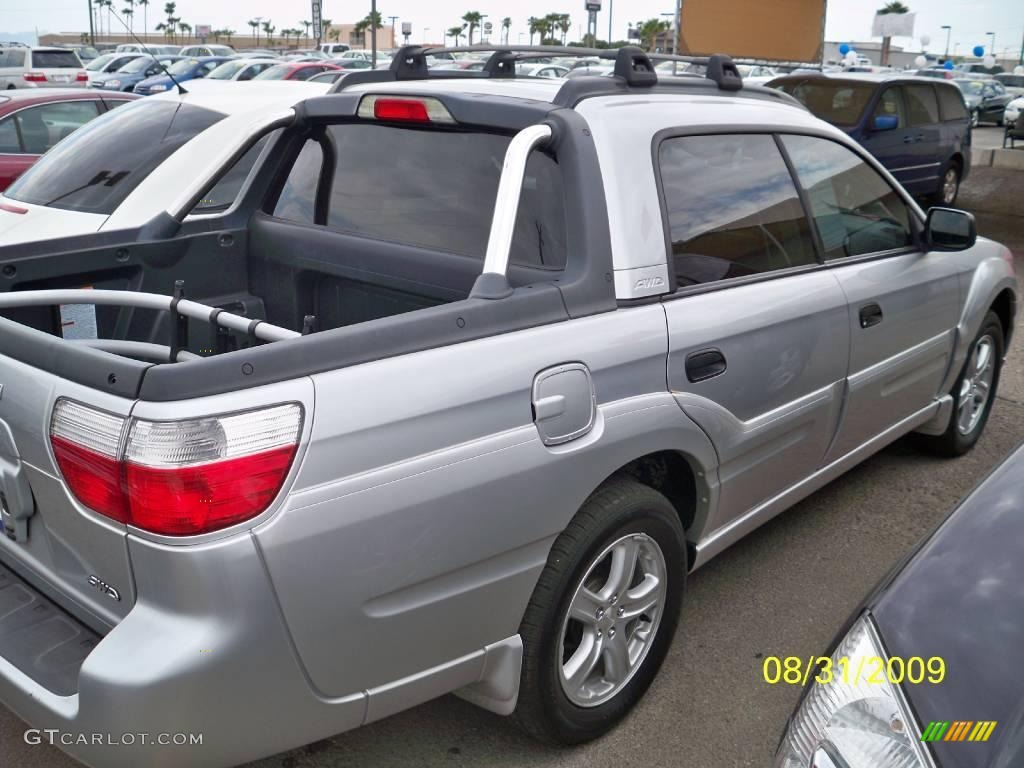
449 394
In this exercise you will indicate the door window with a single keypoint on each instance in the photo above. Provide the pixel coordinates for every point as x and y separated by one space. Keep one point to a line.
9 143
45 125
922 104
891 105
854 208
732 207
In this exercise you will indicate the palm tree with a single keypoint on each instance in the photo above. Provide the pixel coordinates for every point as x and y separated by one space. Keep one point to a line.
269 29
108 4
372 22
145 16
307 24
650 30
472 19
169 25
161 27
455 32
506 25
228 34
894 7
534 25
564 24
129 13
185 29
256 29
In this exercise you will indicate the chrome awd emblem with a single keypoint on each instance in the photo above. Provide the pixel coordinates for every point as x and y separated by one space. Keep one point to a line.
105 588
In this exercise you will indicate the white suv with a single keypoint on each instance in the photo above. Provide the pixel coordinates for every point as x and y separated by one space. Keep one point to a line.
40 67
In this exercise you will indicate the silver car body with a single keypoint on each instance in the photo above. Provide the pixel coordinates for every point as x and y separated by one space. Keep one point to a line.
396 564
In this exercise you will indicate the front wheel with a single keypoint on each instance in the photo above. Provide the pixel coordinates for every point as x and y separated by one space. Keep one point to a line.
602 615
973 393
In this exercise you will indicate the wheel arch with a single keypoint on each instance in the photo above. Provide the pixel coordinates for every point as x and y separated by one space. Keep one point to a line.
1005 306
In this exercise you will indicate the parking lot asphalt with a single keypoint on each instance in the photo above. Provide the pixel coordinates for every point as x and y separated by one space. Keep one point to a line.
784 590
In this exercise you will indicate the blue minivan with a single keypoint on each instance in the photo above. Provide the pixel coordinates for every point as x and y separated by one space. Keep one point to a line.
917 127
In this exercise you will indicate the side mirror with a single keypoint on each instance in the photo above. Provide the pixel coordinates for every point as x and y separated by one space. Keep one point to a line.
947 229
885 123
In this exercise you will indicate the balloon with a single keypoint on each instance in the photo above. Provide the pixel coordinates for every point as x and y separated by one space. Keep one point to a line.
948 65
920 62
844 49
925 39
989 61
979 50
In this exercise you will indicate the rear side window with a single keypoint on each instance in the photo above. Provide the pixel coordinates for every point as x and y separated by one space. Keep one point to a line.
99 165
12 58
43 126
837 102
230 184
55 60
431 189
951 102
855 210
732 207
921 104
9 143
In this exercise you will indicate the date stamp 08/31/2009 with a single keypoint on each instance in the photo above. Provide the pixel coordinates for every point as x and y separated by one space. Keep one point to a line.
794 670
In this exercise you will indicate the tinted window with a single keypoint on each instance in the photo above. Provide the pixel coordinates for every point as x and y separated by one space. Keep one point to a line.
732 208
298 197
12 58
1011 81
951 100
921 104
890 105
226 190
43 126
837 102
854 208
55 60
430 189
9 137
99 165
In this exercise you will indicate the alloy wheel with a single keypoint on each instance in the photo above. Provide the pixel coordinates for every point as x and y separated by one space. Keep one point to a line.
612 620
950 183
976 388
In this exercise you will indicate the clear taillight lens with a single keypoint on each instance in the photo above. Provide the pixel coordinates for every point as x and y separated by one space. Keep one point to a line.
176 478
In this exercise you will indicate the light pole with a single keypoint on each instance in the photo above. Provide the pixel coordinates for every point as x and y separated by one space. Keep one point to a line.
373 31
992 43
92 31
425 38
949 31
677 22
257 19
393 38
611 7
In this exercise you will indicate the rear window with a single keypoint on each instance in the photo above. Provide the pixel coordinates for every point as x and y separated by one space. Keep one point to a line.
431 189
99 165
951 102
837 102
55 60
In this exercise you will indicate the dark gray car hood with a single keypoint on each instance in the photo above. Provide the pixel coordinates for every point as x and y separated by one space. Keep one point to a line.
961 597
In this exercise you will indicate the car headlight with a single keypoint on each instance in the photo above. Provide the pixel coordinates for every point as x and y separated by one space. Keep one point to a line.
849 722
158 87
113 84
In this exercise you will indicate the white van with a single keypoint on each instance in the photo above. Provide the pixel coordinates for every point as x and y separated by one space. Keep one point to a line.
334 49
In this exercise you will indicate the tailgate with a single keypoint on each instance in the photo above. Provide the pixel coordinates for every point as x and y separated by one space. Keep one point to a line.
71 554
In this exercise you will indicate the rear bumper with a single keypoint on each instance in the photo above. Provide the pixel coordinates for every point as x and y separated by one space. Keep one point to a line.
204 653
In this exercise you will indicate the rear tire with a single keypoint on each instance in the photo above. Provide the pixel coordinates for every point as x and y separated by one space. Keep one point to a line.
973 393
949 186
597 629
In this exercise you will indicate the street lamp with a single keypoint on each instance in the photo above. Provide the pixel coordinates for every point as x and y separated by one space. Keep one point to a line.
949 31
425 38
393 37
992 44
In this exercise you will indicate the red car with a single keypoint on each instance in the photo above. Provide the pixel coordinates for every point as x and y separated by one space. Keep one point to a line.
296 70
32 121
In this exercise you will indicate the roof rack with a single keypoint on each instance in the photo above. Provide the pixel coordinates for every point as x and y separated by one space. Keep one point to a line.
633 68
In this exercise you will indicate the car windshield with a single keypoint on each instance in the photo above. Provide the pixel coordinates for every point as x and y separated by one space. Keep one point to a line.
183 67
135 66
840 103
99 62
276 72
227 70
973 87
99 165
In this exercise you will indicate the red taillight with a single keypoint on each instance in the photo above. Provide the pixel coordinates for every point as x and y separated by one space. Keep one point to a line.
424 109
403 110
176 478
35 77
82 77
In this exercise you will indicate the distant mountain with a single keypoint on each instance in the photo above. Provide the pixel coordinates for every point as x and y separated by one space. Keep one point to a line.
29 38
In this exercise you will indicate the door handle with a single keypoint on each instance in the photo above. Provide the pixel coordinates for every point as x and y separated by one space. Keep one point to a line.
870 314
919 137
908 139
704 365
